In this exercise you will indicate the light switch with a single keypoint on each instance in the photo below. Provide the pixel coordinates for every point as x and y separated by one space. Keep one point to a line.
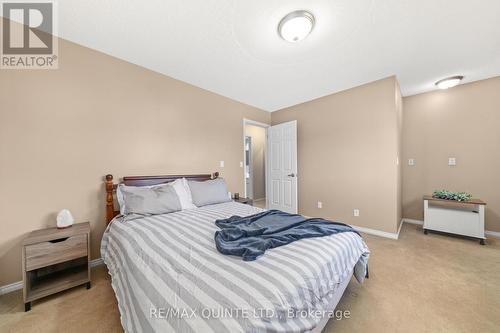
411 162
241 164
452 161
221 164
320 204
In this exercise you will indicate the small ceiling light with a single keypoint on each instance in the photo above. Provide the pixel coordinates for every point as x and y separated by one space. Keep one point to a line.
449 82
296 26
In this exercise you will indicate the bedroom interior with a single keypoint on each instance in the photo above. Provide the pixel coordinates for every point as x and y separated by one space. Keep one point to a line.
224 169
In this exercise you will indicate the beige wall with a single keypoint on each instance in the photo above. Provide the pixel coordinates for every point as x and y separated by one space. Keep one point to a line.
62 130
347 152
258 135
462 122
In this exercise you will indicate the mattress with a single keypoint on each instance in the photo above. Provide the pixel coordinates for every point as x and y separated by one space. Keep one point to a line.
169 277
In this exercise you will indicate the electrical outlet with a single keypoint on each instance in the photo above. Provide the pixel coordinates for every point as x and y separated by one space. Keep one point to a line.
355 212
411 162
320 204
452 161
221 164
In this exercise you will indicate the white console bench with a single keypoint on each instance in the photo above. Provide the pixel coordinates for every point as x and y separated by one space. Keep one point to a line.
464 218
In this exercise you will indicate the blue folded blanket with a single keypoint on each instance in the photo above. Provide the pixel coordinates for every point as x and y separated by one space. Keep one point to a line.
249 237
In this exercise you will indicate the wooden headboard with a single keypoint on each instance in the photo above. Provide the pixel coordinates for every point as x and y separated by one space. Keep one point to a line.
143 181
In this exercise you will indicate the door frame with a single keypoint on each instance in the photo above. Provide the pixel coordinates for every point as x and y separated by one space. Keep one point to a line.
250 169
266 160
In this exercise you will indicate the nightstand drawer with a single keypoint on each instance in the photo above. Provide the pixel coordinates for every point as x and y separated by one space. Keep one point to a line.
56 251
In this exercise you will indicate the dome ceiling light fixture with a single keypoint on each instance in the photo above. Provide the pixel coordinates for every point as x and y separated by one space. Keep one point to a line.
449 82
296 26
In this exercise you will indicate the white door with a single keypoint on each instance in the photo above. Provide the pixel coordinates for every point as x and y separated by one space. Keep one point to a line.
282 174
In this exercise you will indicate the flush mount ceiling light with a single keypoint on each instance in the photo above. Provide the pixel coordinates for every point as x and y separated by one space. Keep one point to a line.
296 26
449 82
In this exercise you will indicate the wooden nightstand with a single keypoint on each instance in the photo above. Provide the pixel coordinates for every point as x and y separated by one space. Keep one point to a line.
55 260
246 201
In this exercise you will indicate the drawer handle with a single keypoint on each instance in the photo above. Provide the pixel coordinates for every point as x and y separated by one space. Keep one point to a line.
59 240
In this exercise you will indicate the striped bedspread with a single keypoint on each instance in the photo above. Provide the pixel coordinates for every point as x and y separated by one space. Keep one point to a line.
169 277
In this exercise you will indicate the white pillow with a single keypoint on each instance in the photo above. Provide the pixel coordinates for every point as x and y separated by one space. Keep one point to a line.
184 193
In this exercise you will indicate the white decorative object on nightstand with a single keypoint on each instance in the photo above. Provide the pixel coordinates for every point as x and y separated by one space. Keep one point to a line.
464 218
64 219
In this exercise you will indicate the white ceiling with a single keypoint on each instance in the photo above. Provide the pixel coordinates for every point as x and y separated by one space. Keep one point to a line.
231 47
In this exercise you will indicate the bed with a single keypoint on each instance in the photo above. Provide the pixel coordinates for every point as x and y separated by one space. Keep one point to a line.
169 277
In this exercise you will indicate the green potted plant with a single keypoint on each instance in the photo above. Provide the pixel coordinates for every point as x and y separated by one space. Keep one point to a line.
450 195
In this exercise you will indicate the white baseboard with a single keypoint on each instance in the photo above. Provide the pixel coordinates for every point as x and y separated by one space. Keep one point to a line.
400 226
495 234
19 284
96 262
412 221
391 235
11 287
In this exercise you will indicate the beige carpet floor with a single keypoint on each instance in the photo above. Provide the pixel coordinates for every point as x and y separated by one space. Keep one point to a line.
261 203
418 283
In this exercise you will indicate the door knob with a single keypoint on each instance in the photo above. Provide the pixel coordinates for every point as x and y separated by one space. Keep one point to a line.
291 175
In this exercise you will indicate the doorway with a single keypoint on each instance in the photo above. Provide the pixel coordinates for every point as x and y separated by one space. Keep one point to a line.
255 161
